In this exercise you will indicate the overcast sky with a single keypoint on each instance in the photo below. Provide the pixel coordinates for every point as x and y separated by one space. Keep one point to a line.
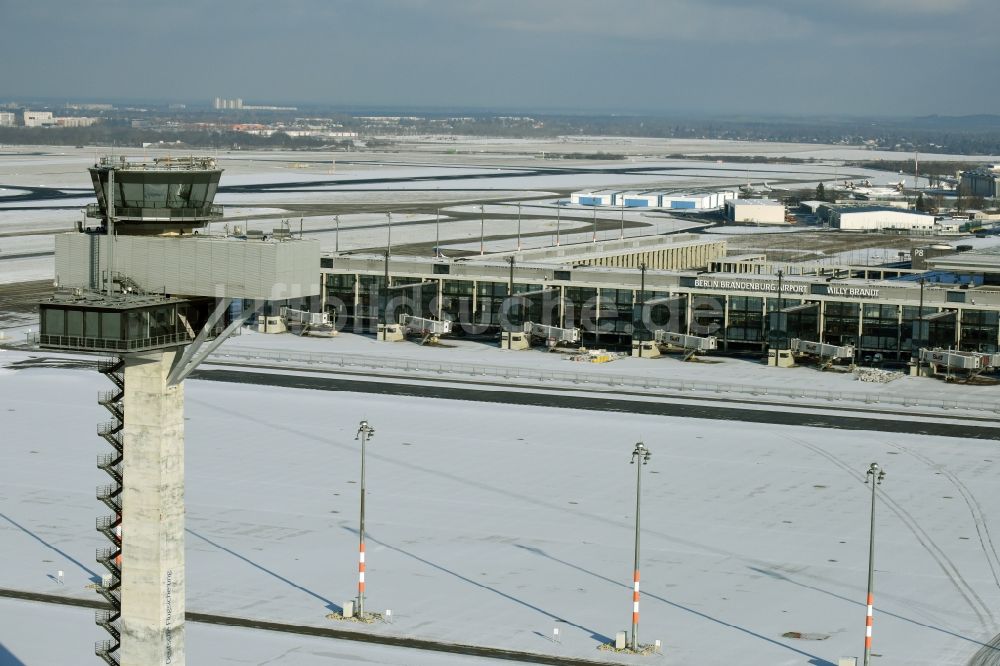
887 57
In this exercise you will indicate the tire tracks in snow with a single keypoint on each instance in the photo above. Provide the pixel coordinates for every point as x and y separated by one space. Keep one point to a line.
975 509
948 568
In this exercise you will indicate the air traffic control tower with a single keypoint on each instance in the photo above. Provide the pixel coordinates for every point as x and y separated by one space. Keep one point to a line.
150 289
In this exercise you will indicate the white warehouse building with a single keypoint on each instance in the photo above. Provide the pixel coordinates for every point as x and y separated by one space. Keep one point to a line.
877 218
755 211
38 118
697 200
593 198
653 199
634 199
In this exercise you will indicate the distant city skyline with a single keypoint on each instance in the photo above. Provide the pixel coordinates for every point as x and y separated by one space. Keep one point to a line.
724 57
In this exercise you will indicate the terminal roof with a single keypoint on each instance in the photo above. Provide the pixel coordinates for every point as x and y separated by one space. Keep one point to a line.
115 301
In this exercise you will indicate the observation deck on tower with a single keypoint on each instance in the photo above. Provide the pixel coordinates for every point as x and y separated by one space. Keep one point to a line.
167 195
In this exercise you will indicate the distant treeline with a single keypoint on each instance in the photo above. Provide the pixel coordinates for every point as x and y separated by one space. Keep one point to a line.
108 135
981 137
585 156
973 135
927 168
747 159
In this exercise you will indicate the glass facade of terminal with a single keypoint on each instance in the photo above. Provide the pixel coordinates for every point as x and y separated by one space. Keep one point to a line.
609 316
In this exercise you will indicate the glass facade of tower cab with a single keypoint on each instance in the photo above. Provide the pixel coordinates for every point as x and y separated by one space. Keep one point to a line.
165 191
116 324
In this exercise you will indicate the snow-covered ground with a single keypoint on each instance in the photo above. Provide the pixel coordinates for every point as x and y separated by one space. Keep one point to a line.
65 168
26 269
635 146
36 221
408 179
26 244
494 524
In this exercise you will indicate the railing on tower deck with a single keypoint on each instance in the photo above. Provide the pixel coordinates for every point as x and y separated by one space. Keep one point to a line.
159 213
112 344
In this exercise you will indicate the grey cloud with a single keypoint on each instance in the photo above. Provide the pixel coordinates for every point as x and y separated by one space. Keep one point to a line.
790 56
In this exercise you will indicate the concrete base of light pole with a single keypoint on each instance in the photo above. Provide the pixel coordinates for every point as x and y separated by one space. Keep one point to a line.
623 645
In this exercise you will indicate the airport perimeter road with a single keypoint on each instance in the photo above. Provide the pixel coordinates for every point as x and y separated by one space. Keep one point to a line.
666 407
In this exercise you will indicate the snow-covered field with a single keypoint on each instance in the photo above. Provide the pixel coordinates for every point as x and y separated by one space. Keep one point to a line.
493 524
26 269
513 173
639 145
36 221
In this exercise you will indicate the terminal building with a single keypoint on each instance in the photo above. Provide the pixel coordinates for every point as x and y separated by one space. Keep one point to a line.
615 293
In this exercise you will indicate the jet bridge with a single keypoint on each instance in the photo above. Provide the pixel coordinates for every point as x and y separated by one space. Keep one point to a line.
827 354
405 297
952 361
688 344
303 322
523 307
430 329
553 335
657 312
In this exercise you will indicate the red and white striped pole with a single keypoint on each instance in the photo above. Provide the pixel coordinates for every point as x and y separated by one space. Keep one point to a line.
635 605
875 475
361 577
640 454
868 629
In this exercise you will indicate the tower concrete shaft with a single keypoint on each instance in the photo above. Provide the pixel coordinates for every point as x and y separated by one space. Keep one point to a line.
153 514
